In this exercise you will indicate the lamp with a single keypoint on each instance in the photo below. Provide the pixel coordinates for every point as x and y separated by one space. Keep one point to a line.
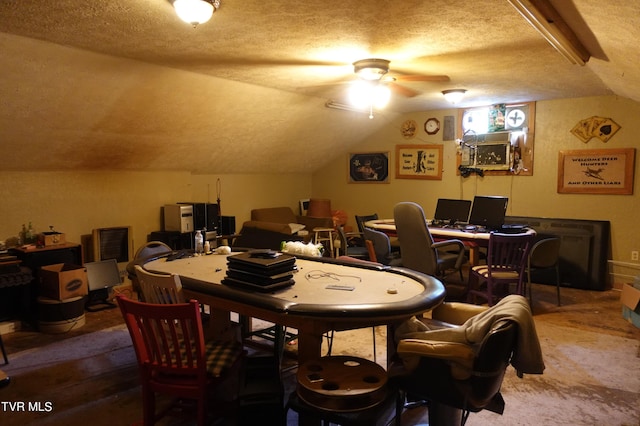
319 207
546 19
454 95
195 12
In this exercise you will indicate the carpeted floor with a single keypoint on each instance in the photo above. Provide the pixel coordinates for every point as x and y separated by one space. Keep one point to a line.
88 375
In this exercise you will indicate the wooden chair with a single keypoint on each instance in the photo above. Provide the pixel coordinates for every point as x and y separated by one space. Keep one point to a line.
506 262
159 288
172 355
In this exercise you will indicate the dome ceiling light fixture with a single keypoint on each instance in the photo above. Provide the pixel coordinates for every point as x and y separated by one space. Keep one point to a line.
371 69
195 12
454 95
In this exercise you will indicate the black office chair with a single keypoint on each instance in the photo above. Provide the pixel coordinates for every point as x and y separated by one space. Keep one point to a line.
545 254
349 249
360 220
418 249
381 246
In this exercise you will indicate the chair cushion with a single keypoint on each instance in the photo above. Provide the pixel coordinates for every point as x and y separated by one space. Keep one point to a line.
220 356
483 270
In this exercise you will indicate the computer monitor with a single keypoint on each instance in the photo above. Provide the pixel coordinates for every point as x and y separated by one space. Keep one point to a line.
452 211
488 212
101 276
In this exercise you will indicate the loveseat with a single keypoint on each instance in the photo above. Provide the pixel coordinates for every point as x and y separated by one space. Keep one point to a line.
268 227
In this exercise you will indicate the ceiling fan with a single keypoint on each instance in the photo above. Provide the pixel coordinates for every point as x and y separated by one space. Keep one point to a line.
377 70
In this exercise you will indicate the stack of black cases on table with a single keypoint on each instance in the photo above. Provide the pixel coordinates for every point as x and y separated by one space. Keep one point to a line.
262 270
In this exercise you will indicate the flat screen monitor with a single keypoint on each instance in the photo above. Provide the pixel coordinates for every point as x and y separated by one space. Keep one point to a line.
101 276
452 211
488 212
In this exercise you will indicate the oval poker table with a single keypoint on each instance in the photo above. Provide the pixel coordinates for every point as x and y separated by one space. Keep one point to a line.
327 294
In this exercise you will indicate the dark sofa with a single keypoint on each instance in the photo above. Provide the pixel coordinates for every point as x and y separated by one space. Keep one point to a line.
268 227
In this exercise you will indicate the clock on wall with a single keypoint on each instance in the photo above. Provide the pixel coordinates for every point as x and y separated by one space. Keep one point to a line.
432 126
409 128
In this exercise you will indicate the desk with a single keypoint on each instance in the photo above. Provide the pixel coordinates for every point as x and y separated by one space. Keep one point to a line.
35 257
309 306
473 240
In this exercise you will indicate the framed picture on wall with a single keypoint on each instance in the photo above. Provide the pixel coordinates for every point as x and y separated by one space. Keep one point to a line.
596 171
369 167
419 162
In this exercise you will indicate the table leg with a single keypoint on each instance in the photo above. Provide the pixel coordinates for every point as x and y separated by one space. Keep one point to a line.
309 346
474 256
220 325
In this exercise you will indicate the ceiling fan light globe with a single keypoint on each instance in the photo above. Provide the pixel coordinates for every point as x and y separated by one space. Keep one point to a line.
381 96
360 94
194 12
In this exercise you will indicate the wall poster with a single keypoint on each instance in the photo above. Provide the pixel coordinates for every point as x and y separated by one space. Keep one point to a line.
369 167
596 171
419 162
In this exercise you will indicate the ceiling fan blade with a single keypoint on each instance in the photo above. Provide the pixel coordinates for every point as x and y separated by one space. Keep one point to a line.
402 90
422 77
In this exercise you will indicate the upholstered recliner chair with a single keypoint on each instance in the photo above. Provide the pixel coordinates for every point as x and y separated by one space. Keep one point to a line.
457 360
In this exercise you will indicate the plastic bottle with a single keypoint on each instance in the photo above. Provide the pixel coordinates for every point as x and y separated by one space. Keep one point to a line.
28 235
199 241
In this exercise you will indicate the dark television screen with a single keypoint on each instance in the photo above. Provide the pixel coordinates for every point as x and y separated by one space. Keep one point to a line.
452 210
112 243
488 212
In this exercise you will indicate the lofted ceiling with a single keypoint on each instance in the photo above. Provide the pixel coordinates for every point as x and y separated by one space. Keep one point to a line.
124 84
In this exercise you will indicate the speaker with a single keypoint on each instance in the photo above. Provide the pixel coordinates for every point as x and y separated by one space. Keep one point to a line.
227 225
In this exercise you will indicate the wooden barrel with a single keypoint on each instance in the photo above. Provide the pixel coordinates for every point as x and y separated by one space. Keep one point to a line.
342 383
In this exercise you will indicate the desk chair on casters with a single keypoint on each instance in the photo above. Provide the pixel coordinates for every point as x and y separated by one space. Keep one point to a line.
379 246
149 250
418 249
357 251
172 356
360 220
545 254
506 262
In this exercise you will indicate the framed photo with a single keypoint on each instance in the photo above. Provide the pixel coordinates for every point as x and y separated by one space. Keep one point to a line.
596 171
369 167
419 162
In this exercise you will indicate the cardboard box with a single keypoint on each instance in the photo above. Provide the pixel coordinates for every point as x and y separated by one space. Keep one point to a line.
47 239
630 299
63 281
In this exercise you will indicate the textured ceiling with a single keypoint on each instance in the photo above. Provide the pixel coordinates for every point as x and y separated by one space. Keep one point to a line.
123 84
